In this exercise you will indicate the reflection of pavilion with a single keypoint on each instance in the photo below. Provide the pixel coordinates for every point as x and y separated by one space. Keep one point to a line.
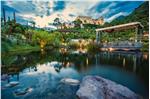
136 45
123 59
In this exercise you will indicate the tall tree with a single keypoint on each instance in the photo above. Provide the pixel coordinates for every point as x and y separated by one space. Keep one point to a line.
57 22
33 24
14 17
4 16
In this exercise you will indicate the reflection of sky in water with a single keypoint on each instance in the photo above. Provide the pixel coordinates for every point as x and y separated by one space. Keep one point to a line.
44 80
46 69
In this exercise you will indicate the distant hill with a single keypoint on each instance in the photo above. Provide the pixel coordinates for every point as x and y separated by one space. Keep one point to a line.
140 14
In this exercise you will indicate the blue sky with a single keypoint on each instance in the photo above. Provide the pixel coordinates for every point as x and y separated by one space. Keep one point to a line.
44 12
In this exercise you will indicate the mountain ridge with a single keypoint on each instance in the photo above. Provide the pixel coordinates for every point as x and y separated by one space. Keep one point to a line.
140 14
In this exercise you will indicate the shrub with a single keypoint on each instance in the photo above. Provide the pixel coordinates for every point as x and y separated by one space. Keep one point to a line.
92 48
73 45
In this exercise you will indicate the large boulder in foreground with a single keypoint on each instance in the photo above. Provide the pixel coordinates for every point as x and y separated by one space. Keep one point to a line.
96 87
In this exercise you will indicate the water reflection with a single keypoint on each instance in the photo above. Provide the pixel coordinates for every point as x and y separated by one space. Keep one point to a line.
124 62
134 63
43 71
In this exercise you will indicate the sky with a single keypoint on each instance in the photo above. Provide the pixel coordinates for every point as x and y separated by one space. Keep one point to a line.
44 12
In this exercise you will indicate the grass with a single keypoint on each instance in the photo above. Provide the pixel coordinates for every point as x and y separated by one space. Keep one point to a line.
8 48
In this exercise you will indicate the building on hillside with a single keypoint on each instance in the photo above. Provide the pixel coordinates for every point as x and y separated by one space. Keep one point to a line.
69 25
85 19
99 21
89 20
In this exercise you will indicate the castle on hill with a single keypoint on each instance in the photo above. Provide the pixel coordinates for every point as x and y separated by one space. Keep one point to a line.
89 20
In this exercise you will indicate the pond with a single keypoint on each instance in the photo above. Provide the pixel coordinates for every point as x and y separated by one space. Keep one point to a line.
34 70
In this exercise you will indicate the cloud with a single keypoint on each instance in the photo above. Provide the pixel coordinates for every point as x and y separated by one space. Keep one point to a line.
116 16
110 8
44 12
69 13
101 9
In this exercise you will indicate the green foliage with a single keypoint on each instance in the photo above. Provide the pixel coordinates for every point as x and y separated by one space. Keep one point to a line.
13 47
5 29
73 45
44 38
55 38
5 46
121 35
12 28
40 35
145 47
91 26
80 33
92 48
57 22
18 29
77 23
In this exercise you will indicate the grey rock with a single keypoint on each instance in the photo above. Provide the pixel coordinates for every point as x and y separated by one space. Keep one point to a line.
70 81
12 84
96 87
21 92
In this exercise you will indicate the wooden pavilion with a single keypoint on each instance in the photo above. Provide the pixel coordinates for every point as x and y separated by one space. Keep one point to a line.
134 25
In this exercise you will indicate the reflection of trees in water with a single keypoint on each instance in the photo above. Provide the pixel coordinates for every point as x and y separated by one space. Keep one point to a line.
133 62
143 68
81 62
120 59
20 62
8 60
32 59
7 77
13 64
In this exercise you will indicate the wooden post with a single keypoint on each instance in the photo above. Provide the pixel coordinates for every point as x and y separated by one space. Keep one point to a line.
136 34
134 63
141 32
97 37
100 33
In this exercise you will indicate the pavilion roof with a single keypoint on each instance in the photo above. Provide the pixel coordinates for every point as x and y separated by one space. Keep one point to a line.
120 27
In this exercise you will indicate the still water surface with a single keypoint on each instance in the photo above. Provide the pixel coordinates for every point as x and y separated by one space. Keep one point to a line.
33 70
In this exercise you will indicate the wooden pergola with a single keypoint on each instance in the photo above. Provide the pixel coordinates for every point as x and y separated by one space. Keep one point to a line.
137 25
